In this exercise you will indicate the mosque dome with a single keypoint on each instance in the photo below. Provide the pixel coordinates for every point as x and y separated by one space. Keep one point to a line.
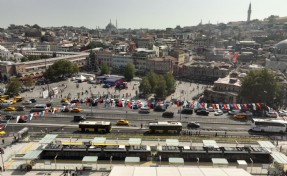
111 28
281 45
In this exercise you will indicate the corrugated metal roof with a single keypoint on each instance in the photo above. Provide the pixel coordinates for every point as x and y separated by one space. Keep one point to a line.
135 141
279 157
172 142
266 144
90 159
132 159
175 160
209 143
33 154
176 171
99 140
48 139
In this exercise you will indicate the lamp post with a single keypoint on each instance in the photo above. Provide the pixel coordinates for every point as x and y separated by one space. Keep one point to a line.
46 79
2 152
159 157
111 159
180 104
251 165
197 161
55 161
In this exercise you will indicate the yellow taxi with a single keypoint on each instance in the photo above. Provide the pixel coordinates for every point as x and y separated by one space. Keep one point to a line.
18 99
13 101
123 122
64 100
76 110
240 116
10 108
4 97
2 132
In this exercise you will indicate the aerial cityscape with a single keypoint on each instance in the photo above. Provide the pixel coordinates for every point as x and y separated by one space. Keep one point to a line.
113 95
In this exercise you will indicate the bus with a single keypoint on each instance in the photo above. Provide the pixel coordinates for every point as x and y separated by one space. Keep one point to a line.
95 126
165 127
269 125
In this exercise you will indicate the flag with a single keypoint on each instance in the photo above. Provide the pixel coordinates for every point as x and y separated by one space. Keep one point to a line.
235 56
254 106
239 106
6 123
31 116
17 119
217 106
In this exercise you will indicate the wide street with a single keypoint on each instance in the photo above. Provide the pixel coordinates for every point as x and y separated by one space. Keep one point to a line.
63 122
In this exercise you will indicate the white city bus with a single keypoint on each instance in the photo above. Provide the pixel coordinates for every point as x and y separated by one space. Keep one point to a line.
269 125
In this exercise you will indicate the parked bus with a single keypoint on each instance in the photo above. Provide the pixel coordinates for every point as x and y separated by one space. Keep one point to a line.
95 126
165 127
269 125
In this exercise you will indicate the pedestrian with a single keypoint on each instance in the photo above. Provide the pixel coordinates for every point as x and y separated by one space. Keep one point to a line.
215 134
3 141
225 133
141 125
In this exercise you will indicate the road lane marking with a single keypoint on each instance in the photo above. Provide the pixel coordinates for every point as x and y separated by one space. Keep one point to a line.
22 152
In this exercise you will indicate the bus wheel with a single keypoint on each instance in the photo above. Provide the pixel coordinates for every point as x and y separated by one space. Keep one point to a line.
87 131
262 130
281 131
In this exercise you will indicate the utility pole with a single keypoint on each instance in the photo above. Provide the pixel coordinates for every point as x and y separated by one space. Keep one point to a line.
46 79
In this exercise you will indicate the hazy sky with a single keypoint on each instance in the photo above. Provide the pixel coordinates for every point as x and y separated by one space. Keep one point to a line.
156 14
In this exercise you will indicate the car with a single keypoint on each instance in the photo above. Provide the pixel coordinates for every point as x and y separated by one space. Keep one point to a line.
49 104
144 110
20 108
27 102
123 122
193 125
2 132
76 110
240 116
202 112
187 111
2 127
158 109
10 108
218 112
64 100
210 109
168 114
233 112
75 101
9 117
106 86
65 103
271 114
65 110
33 100
79 118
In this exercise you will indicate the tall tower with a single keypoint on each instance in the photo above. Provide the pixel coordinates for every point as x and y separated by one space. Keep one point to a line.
249 13
117 23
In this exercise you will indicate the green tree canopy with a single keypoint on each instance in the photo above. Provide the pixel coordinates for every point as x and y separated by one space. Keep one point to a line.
160 89
152 78
13 87
261 86
61 69
29 82
145 86
105 69
170 82
129 72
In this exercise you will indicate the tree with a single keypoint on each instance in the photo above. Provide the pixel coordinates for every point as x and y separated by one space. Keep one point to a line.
152 78
29 82
160 89
105 69
129 72
145 86
60 70
13 87
170 82
260 86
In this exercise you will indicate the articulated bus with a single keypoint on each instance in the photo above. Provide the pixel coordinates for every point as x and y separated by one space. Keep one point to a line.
165 127
95 126
269 125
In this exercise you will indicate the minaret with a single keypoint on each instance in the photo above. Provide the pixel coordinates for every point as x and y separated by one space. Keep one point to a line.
110 21
249 13
117 23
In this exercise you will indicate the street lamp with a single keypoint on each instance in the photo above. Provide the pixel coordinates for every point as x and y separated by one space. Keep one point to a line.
111 159
159 159
197 161
180 104
2 152
251 165
55 161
